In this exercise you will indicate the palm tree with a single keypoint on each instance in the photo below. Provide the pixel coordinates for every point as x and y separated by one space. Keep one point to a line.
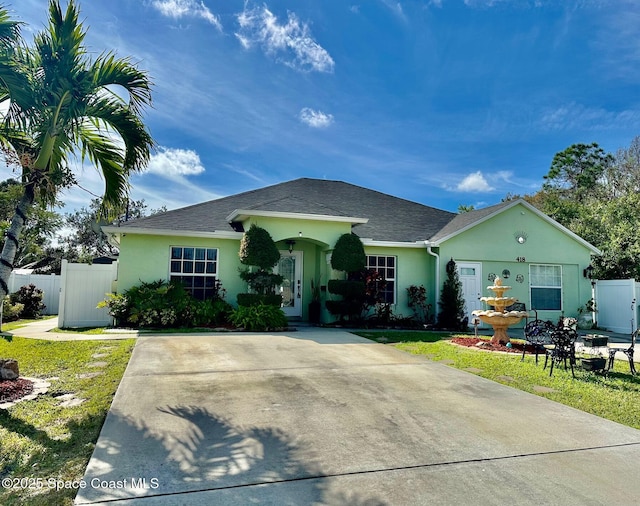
63 103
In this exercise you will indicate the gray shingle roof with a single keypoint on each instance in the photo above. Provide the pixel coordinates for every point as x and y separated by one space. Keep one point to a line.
390 218
464 220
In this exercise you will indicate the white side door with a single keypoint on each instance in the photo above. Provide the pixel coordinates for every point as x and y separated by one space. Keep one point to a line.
290 267
470 274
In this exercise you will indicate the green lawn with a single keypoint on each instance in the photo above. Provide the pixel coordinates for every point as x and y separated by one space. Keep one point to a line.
39 439
616 397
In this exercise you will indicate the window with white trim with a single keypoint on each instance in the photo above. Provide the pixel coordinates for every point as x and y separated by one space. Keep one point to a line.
546 287
196 269
386 267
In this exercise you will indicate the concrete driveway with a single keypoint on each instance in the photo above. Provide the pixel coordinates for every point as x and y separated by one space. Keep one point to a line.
326 417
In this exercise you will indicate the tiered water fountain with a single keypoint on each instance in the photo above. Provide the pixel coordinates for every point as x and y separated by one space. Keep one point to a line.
498 317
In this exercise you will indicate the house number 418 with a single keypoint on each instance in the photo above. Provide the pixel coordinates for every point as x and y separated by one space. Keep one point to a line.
520 259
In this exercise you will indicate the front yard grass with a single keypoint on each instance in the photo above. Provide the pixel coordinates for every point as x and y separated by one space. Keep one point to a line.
39 438
616 397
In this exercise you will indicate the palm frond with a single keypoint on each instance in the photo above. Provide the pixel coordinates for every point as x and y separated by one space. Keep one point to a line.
9 29
107 70
105 154
132 131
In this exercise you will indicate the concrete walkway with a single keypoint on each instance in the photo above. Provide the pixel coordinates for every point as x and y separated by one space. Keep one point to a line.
325 417
42 329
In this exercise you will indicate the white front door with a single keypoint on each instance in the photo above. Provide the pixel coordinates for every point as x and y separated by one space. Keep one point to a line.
470 274
290 268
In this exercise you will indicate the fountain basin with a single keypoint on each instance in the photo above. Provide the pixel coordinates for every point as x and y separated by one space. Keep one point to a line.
499 301
500 321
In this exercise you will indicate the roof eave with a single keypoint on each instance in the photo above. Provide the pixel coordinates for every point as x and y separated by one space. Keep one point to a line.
244 214
216 234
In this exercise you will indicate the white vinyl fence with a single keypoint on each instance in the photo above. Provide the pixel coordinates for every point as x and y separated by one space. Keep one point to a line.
48 283
617 304
82 287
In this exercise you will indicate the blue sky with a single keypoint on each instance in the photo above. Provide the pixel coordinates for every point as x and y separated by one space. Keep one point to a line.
443 102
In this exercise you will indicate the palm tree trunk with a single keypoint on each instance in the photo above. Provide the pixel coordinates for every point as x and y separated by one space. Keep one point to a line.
10 247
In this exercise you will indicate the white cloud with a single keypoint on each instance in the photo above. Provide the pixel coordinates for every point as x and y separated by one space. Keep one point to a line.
396 9
177 9
475 182
577 116
290 43
174 163
315 119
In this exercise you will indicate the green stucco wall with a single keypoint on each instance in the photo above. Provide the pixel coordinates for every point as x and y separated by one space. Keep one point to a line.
414 267
493 243
146 258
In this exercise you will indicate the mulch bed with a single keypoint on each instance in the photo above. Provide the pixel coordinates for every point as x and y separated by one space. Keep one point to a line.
471 342
12 390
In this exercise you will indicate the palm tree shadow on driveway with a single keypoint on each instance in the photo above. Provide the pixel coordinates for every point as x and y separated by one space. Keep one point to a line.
199 452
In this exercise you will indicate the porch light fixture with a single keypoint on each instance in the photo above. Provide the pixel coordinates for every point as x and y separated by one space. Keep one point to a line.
291 243
588 271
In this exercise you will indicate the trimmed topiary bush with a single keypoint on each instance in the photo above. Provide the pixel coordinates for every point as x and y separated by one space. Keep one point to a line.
348 256
258 249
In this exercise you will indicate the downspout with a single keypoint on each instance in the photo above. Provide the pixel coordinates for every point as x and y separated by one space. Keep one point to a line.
437 257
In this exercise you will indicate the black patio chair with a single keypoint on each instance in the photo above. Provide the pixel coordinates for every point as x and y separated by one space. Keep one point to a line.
563 349
537 333
628 352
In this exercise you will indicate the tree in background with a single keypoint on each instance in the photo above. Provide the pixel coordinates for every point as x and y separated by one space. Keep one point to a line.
37 235
87 240
595 195
62 102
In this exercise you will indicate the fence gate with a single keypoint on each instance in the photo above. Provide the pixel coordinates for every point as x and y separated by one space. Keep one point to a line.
614 299
81 288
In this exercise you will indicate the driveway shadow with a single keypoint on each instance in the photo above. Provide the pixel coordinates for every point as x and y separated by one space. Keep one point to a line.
203 453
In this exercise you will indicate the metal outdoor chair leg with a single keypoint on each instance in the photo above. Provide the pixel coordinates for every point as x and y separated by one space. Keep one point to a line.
629 353
612 359
632 365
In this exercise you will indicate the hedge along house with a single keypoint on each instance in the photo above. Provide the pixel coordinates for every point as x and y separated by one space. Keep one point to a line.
407 242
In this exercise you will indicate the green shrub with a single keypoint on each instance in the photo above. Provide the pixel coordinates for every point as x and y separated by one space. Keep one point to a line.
348 289
348 254
161 304
257 248
30 297
259 318
262 282
254 299
212 312
452 315
11 312
118 307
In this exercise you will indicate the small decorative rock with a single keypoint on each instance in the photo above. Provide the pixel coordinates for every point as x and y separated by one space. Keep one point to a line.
9 369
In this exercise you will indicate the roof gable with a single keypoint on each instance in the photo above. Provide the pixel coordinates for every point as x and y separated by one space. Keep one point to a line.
465 221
